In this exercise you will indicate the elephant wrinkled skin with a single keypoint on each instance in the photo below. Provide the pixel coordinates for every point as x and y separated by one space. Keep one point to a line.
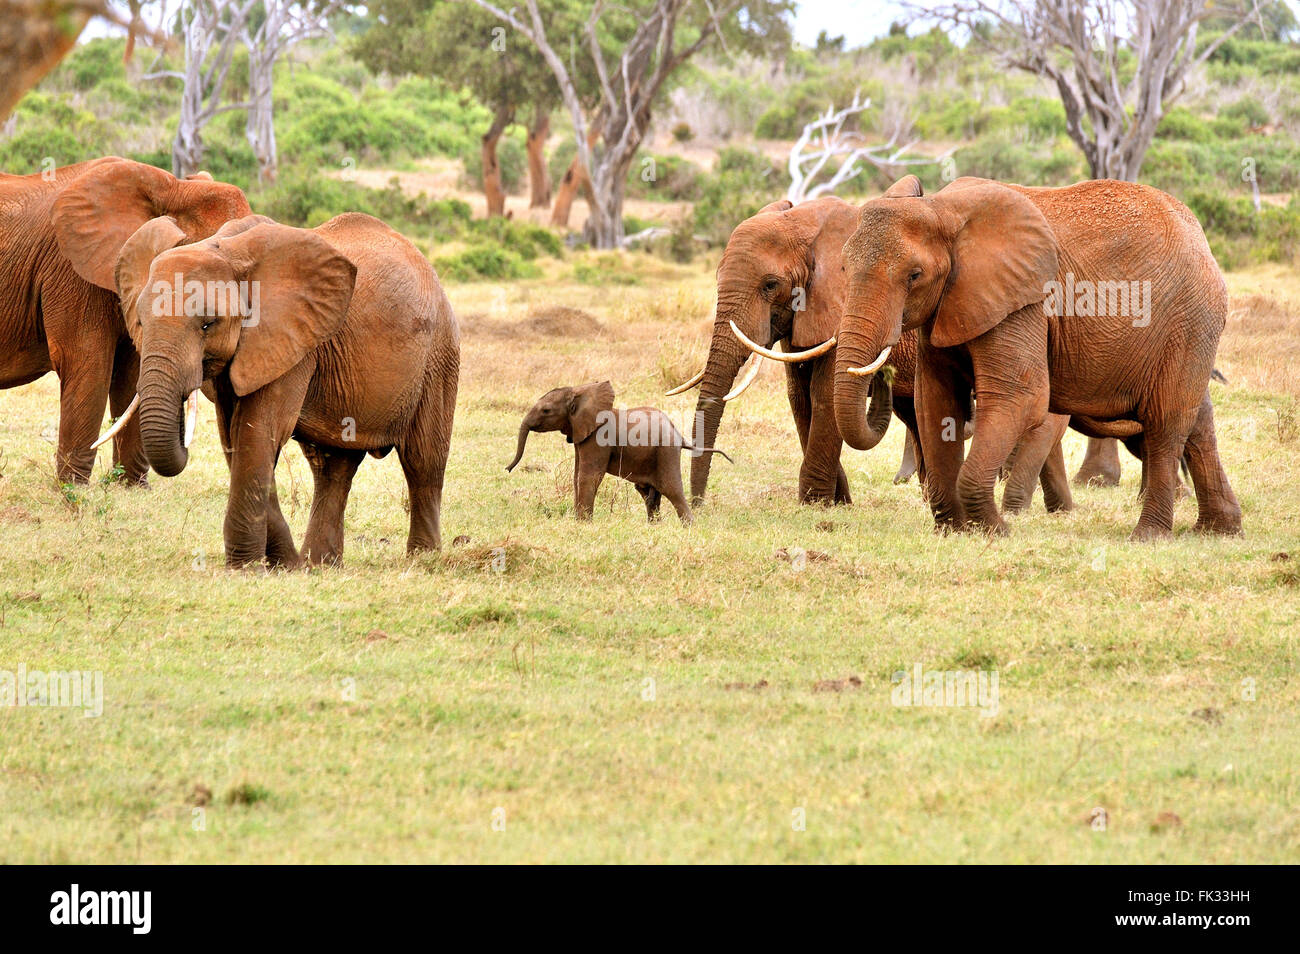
351 348
980 269
60 234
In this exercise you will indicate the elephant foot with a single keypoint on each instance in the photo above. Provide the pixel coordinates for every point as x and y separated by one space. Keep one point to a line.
1144 532
1225 524
1096 477
1015 505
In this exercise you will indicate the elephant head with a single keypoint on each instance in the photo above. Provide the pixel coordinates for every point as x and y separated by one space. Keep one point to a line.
102 207
573 411
780 279
953 264
248 303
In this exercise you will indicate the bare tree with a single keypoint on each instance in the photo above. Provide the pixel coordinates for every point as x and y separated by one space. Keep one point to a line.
286 23
628 90
1117 64
212 30
828 139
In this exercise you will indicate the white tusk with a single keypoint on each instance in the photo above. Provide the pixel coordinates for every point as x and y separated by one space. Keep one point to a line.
120 423
755 361
191 417
874 366
790 357
686 386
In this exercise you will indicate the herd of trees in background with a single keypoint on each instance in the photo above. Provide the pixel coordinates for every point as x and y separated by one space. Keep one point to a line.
606 70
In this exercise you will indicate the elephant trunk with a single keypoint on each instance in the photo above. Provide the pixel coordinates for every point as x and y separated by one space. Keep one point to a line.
862 427
162 423
519 449
725 359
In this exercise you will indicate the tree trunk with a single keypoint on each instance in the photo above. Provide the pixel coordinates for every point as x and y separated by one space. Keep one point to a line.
575 178
539 180
604 227
496 197
260 127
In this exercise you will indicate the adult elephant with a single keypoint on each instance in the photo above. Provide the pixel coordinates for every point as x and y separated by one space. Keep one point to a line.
781 279
340 337
1100 300
60 234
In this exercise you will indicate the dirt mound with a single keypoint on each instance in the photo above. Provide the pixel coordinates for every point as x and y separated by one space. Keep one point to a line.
563 321
551 321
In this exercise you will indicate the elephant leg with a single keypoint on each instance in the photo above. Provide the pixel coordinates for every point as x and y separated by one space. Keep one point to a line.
941 406
1054 479
808 389
1036 457
424 459
1136 446
262 424
1217 509
907 466
651 498
128 449
84 384
1100 467
1162 443
82 341
586 481
332 472
913 462
677 498
280 550
1011 394
821 478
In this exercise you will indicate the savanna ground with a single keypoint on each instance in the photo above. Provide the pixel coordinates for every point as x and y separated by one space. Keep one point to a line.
618 691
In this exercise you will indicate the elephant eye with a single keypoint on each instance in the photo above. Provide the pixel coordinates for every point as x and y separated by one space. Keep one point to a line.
770 286
208 324
914 277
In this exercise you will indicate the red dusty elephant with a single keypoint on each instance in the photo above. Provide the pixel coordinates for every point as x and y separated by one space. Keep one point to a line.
60 235
1100 300
781 279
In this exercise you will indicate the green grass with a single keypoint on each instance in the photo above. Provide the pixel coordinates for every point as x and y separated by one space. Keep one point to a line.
386 709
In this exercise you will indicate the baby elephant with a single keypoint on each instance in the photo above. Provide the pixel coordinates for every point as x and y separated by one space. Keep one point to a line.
639 444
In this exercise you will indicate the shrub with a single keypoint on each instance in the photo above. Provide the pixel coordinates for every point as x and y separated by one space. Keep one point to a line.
485 262
664 178
741 183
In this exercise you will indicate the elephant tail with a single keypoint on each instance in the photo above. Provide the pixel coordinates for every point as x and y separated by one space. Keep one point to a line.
707 450
1095 428
1217 375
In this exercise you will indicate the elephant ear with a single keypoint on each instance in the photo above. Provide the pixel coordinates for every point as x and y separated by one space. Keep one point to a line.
236 226
1003 257
132 271
98 211
831 222
780 205
908 187
585 407
300 287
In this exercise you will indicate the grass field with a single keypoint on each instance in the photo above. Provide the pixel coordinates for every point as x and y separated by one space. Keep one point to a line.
619 691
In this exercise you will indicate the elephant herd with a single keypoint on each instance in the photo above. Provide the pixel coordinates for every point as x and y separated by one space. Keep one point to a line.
986 304
1026 310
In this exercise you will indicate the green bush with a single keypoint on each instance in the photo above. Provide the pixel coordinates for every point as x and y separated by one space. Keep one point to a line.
663 178
740 184
485 262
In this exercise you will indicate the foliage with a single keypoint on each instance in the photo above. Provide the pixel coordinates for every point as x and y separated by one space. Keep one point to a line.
741 183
